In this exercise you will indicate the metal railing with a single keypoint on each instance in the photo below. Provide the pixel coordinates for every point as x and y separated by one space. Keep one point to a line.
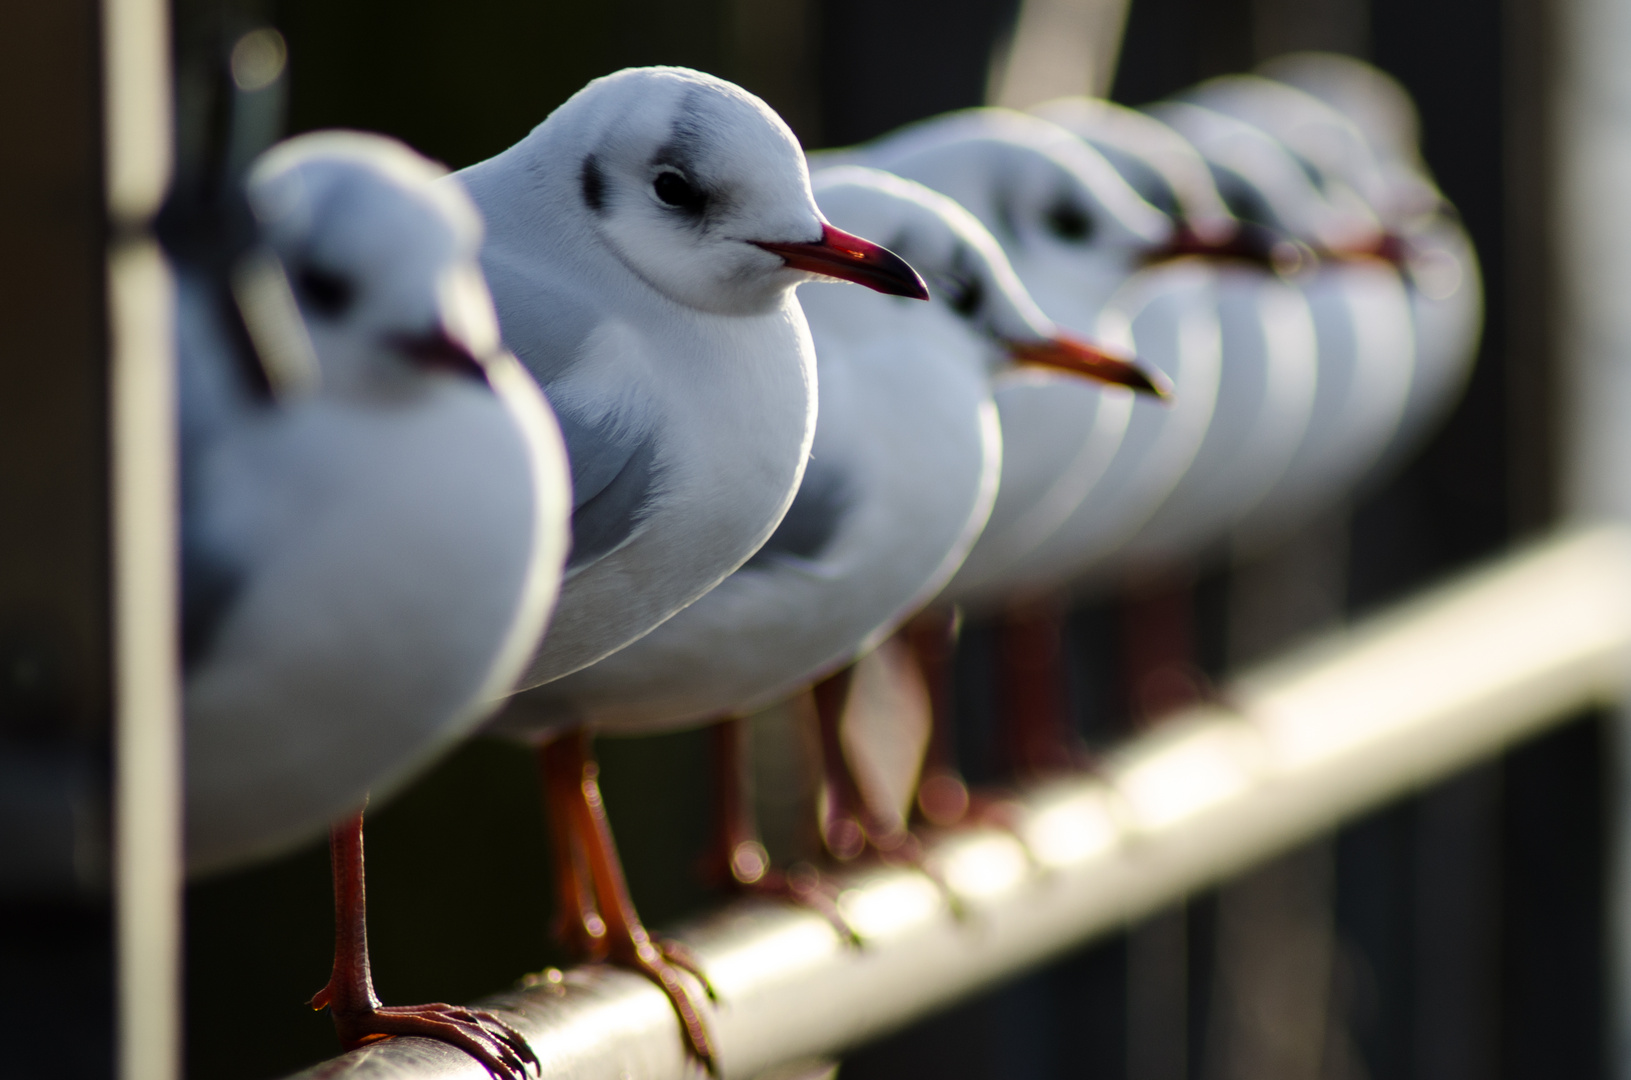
1299 745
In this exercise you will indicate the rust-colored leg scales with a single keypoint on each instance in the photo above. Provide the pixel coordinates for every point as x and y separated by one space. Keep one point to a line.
942 794
359 1018
738 860
597 915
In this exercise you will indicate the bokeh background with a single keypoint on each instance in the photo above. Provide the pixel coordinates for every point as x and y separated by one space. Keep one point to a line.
1457 934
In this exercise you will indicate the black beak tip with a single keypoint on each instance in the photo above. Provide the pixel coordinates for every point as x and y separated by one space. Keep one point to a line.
896 277
1154 383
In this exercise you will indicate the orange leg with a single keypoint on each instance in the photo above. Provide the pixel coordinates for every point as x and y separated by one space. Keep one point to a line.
848 825
359 1018
598 893
1037 731
942 793
738 859
1159 669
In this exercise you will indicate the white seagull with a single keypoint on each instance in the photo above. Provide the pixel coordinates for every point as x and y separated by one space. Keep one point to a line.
1360 308
1268 351
374 525
644 244
1354 126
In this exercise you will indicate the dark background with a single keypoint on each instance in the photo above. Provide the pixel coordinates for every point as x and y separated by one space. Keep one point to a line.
1470 917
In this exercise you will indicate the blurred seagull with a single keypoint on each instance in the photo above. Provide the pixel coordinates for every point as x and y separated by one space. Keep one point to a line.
645 241
1075 233
1353 126
1359 305
374 526
1268 351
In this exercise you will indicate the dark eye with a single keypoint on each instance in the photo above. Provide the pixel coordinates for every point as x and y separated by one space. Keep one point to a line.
1069 222
675 190
965 295
327 292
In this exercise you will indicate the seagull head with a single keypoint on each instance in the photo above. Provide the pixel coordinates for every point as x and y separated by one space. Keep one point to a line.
1268 187
970 279
702 191
1044 194
380 260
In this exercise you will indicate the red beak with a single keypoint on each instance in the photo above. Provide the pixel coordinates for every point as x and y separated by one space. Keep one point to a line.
839 255
1247 242
437 350
1080 358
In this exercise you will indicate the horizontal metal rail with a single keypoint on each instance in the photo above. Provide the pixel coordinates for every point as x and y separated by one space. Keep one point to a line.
1302 744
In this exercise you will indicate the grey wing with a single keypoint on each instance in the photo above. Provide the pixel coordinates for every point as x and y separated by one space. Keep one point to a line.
825 495
614 478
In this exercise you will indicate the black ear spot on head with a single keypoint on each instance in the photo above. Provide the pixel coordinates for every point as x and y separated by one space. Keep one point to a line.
593 184
966 295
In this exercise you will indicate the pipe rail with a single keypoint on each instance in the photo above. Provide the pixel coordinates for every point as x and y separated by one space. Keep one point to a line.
1299 745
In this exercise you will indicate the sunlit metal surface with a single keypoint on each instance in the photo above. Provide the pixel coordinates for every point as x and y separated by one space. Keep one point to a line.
1305 742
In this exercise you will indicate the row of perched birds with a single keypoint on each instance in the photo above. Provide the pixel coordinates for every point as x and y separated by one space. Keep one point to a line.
424 417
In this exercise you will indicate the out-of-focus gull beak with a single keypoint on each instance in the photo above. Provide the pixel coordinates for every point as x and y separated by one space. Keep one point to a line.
1065 353
849 258
438 350
1247 242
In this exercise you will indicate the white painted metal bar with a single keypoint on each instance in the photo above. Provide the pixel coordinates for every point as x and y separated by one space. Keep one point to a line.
147 873
1590 112
1302 744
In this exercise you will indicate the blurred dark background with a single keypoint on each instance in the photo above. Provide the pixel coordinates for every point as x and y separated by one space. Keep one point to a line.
1456 934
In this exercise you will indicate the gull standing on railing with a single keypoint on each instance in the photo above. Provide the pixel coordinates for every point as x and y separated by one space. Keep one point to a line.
644 244
374 524
1355 127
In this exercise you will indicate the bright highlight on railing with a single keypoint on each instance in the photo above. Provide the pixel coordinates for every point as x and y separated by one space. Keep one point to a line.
1306 742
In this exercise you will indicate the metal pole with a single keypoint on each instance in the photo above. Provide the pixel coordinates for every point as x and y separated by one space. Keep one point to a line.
147 801
1591 111
1306 742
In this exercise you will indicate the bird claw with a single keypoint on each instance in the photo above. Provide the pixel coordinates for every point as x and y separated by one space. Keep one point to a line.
662 962
803 885
502 1051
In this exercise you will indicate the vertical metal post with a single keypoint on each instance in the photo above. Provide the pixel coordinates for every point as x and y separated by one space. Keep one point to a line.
1591 111
146 728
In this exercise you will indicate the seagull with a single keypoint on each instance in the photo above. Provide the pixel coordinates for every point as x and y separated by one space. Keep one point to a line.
1354 126
374 506
902 476
1268 352
644 244
1358 302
